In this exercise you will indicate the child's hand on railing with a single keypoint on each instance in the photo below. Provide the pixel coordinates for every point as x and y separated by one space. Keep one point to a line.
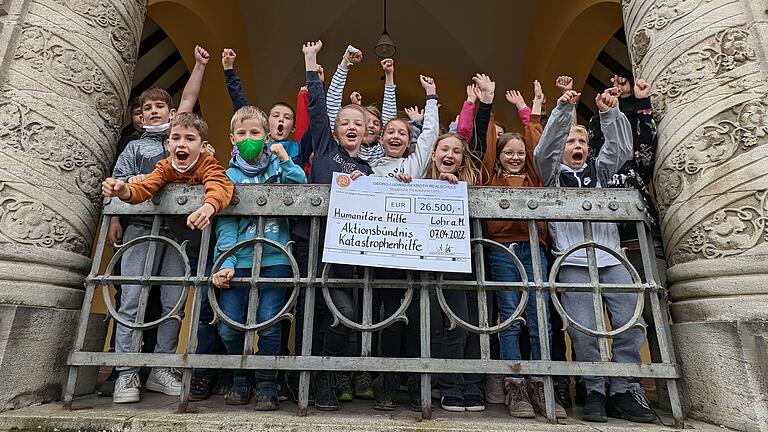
222 277
201 217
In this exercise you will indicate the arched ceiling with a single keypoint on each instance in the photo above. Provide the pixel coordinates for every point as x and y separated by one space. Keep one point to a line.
449 40
514 42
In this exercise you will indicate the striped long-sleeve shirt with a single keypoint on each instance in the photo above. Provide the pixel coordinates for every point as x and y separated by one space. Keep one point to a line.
336 93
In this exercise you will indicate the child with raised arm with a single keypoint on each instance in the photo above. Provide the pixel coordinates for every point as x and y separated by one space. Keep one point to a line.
336 150
253 163
370 150
510 162
188 163
561 161
137 161
281 115
400 340
395 141
452 160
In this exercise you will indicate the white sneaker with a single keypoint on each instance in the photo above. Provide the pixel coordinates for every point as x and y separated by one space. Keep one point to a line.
127 388
163 380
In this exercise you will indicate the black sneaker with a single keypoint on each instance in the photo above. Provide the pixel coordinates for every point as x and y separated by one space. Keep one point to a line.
267 397
594 408
452 403
325 393
414 392
363 387
386 401
202 387
474 402
240 392
630 405
562 391
343 387
106 388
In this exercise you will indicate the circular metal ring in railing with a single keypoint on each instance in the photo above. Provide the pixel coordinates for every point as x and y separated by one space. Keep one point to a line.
174 313
284 313
567 320
516 315
338 317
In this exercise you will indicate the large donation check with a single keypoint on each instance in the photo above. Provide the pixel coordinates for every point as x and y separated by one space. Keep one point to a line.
381 222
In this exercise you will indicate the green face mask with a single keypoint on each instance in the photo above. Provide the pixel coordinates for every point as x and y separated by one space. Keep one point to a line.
250 148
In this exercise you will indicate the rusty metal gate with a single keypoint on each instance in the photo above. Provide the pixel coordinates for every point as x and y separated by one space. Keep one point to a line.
311 201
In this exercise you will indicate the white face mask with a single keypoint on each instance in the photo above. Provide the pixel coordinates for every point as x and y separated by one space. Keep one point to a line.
182 171
157 129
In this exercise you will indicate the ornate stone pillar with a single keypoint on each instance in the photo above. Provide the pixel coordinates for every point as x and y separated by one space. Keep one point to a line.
66 67
707 61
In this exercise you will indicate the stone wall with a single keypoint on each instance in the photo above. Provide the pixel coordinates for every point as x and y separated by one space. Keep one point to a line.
65 73
707 63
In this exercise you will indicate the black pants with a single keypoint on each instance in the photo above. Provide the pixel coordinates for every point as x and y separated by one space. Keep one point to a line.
326 340
459 343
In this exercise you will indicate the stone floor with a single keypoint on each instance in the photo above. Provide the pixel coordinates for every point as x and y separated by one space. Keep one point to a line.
158 413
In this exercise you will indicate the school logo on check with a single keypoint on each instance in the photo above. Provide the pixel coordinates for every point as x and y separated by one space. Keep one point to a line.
343 181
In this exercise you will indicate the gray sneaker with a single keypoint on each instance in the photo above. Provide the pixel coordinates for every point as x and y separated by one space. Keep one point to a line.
127 389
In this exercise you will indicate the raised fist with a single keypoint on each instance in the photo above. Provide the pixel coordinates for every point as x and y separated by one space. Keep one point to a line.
201 55
564 83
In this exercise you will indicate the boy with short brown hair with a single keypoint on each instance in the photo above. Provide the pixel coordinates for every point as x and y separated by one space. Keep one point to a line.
187 163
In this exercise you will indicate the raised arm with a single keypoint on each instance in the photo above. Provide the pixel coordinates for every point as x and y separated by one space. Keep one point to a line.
523 111
565 84
234 86
339 80
418 160
389 104
195 82
486 91
549 152
465 127
302 113
644 131
489 158
319 123
416 121
537 107
617 148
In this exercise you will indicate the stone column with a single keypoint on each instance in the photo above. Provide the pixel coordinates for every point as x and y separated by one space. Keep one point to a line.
66 68
707 61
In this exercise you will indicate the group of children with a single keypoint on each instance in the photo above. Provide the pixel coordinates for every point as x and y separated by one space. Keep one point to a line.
361 140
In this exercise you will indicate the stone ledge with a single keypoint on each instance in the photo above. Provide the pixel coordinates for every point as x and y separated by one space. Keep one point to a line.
157 413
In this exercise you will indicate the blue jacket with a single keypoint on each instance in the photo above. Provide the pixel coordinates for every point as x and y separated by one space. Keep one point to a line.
232 230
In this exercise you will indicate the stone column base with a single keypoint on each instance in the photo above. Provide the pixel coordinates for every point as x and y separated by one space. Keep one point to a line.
725 372
34 344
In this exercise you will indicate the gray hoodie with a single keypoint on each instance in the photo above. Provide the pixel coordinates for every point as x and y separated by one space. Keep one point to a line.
613 155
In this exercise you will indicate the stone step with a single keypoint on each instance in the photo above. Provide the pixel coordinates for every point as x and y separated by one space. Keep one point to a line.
158 413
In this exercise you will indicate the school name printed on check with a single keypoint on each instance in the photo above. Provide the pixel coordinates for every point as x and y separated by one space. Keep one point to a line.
381 222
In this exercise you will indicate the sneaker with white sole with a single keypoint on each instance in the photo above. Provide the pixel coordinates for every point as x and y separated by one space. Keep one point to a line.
127 388
163 380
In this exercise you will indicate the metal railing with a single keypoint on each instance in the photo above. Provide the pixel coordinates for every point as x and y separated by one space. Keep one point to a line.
311 201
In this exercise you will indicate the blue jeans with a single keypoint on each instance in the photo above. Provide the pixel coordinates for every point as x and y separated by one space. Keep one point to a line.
503 269
234 303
